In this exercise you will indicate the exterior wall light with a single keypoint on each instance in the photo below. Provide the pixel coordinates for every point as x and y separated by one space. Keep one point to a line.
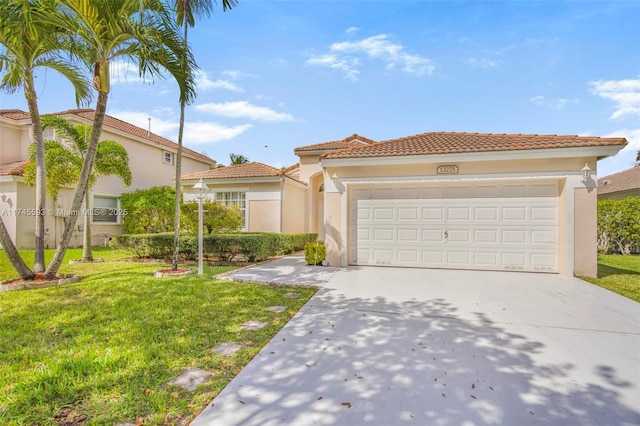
334 178
585 171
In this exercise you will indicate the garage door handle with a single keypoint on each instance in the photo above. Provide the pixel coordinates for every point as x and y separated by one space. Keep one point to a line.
446 235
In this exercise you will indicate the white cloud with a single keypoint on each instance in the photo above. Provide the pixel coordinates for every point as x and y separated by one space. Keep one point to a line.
194 132
632 136
125 72
236 75
552 103
161 126
205 83
208 132
345 56
482 63
244 109
625 94
352 30
347 65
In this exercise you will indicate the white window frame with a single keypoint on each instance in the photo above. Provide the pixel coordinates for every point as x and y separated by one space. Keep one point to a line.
171 160
117 207
229 203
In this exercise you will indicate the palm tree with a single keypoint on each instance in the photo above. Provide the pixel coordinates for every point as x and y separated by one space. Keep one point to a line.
237 159
64 162
29 44
141 31
186 12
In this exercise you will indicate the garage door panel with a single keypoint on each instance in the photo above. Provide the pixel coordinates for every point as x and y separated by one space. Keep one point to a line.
408 235
459 236
383 213
433 258
433 235
466 227
408 256
459 258
408 213
383 234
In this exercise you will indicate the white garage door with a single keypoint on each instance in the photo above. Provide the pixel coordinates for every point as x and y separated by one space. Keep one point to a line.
505 226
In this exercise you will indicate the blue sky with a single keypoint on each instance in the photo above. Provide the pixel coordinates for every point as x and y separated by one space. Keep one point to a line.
280 74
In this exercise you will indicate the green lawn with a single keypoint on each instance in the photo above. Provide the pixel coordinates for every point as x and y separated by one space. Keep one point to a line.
620 274
102 350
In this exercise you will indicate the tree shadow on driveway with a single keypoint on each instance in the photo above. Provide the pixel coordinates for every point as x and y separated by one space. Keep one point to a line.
355 361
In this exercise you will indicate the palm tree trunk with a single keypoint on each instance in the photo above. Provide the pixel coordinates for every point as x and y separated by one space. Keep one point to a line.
12 254
41 183
81 189
87 255
176 219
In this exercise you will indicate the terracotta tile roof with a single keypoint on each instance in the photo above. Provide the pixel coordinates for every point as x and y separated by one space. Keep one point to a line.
293 171
114 123
246 170
136 131
354 140
14 114
621 181
454 142
13 169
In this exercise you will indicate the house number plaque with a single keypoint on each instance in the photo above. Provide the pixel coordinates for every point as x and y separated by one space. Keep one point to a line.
447 170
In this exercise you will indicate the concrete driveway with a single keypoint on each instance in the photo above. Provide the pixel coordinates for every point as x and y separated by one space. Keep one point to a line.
395 346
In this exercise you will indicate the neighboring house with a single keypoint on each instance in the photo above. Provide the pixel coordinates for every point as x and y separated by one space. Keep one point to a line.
151 160
270 200
438 200
620 185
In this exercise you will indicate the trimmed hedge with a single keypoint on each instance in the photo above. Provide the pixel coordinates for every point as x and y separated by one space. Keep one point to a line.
254 247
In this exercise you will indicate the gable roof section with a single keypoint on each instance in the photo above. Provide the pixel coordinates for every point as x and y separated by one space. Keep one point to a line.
293 171
250 170
352 141
453 143
621 181
15 168
114 123
15 114
129 128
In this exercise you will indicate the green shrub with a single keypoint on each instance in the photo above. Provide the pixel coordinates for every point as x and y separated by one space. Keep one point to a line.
619 226
314 252
226 247
149 210
216 218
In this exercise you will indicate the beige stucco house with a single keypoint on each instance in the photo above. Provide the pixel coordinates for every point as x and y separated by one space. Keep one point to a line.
621 185
151 160
434 200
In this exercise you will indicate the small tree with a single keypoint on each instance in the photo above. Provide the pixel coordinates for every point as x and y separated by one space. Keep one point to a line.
64 162
217 218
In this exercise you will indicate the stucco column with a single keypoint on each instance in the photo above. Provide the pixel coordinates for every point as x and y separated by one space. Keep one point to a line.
586 229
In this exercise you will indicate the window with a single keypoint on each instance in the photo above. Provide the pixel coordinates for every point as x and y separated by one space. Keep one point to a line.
105 209
168 158
233 199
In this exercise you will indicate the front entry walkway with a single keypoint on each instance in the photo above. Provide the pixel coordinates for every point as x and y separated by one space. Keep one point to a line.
393 346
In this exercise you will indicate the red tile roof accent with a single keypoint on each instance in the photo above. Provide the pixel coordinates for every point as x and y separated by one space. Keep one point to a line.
458 142
246 170
114 123
354 140
14 114
123 126
15 168
621 181
293 171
